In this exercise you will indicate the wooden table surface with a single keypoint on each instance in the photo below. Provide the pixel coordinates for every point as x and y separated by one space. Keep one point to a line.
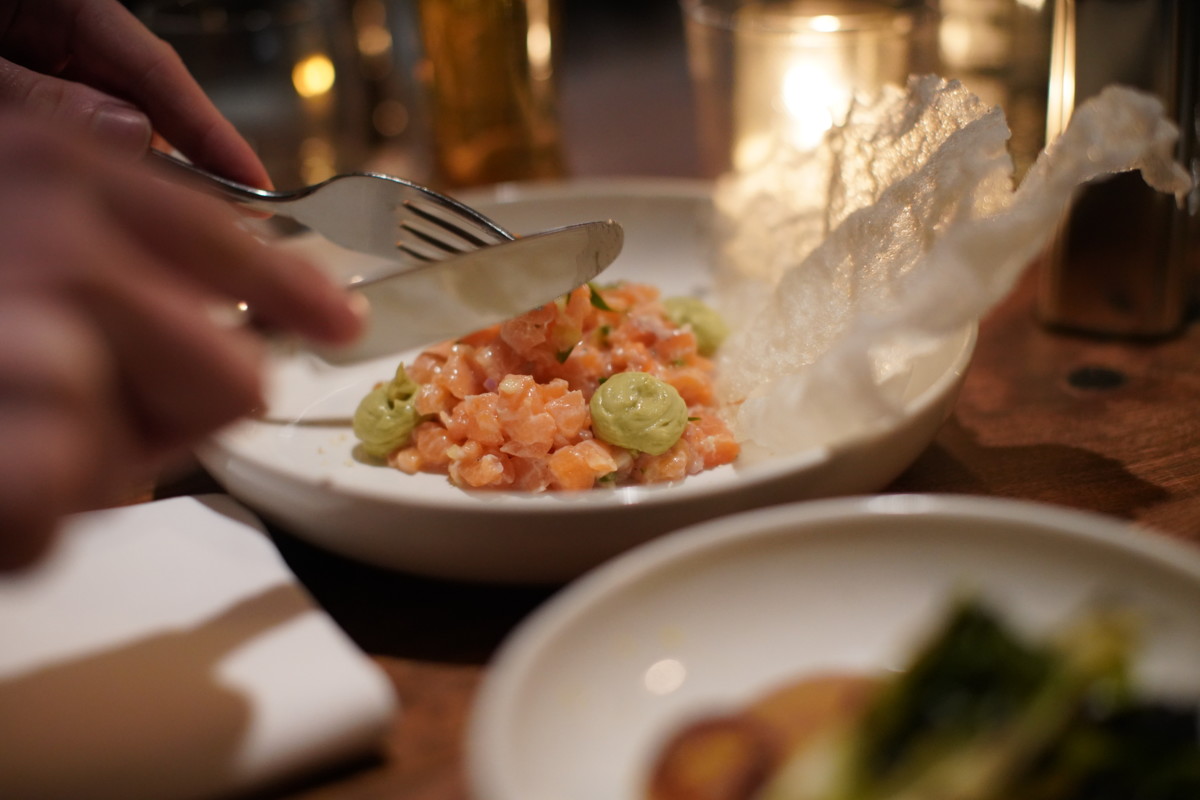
1105 426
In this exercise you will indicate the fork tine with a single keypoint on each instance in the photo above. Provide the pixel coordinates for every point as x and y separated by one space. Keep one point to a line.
414 255
433 227
446 225
429 244
434 241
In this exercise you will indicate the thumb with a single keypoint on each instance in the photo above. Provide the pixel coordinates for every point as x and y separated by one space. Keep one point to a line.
108 120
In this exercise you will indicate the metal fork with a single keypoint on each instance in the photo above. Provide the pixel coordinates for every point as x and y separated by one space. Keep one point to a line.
367 212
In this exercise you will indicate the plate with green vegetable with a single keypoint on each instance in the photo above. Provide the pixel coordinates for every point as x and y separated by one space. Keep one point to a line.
874 648
310 473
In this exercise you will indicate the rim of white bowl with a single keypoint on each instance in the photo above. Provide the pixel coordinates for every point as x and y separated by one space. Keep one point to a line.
588 188
508 503
645 495
489 771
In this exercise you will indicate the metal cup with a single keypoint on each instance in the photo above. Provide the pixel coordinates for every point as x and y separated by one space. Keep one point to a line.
1125 260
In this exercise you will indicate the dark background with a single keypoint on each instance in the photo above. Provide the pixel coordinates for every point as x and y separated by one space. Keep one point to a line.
642 40
638 42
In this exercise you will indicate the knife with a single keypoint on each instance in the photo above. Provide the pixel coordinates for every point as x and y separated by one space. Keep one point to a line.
464 293
416 307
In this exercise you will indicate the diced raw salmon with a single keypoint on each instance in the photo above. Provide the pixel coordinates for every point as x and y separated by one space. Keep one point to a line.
458 374
507 407
694 385
531 436
669 466
578 466
528 332
406 459
433 441
474 467
571 417
711 439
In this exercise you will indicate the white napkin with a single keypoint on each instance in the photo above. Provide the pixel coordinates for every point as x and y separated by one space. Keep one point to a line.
165 651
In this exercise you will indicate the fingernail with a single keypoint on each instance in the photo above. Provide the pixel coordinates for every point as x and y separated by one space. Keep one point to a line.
351 327
123 128
359 306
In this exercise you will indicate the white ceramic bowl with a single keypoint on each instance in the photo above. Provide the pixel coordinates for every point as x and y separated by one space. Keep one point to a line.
581 695
305 479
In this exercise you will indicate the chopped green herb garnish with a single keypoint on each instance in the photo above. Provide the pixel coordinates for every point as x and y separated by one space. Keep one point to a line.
597 298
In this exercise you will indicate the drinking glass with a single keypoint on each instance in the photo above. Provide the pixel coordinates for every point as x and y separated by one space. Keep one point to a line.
783 72
492 95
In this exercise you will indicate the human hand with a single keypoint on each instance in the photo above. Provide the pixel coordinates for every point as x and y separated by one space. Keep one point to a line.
110 364
91 66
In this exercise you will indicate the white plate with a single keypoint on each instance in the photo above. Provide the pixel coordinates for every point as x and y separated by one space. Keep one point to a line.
581 695
305 478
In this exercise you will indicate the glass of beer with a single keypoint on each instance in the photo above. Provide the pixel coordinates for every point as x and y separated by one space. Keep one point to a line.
490 69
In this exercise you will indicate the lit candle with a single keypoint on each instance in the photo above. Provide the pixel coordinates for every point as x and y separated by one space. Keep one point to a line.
796 72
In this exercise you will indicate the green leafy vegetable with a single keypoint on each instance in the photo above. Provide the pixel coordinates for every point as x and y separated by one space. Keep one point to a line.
981 714
597 299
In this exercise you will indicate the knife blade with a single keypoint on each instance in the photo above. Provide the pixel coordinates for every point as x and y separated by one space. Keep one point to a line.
453 297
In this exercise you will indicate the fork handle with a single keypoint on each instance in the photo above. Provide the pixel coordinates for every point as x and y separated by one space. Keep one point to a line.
257 199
